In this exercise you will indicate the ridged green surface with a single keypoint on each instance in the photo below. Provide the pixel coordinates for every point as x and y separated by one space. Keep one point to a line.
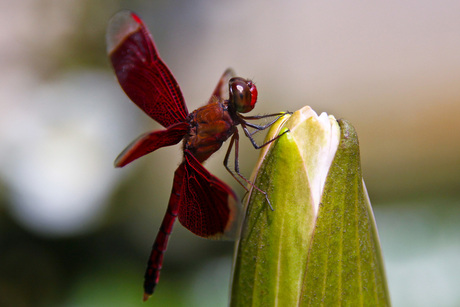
267 273
295 256
345 266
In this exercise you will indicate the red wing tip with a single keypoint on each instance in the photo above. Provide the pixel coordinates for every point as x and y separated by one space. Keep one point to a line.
229 72
118 163
136 18
121 25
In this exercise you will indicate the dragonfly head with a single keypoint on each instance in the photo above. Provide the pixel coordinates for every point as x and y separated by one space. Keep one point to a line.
243 94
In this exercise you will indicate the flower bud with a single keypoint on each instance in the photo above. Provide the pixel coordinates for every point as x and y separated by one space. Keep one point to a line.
320 244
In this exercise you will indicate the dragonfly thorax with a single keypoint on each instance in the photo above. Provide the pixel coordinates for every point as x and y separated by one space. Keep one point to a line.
210 126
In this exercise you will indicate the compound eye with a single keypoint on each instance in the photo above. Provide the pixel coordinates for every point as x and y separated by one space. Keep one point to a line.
243 94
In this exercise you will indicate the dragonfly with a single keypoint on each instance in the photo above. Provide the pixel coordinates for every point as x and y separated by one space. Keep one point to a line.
204 204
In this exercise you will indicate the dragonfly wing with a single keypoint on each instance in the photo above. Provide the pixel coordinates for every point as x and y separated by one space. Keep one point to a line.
142 74
221 90
151 141
209 208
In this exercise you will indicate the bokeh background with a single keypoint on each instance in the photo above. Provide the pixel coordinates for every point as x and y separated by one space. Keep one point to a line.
74 231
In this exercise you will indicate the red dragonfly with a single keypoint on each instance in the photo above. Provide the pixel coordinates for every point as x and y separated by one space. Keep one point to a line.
204 204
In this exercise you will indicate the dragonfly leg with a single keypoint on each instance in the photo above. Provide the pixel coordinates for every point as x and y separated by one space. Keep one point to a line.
256 117
234 142
253 142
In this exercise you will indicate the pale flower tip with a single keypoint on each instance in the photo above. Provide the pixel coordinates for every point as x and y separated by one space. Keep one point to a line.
317 138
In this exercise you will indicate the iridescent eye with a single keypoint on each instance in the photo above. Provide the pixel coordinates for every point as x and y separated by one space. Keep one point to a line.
243 94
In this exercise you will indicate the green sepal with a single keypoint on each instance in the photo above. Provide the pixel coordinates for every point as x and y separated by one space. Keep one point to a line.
345 265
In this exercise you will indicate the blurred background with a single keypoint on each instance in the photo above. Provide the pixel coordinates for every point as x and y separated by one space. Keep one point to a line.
74 231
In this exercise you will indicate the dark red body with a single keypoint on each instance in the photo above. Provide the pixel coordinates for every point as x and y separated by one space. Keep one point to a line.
204 204
210 126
